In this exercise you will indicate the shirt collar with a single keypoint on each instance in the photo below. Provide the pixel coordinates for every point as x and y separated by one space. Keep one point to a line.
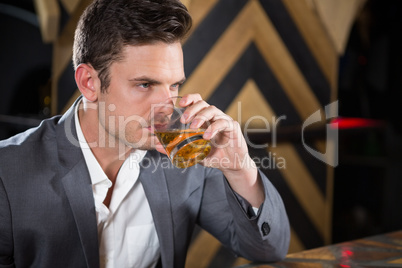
95 171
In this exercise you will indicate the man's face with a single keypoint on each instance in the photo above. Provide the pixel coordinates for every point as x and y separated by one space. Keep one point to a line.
147 75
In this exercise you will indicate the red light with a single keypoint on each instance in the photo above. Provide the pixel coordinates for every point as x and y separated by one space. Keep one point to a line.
348 252
349 123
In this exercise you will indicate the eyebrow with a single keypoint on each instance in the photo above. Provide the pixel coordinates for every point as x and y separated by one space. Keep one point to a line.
153 81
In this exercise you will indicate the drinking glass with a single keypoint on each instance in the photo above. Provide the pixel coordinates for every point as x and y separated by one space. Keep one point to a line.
184 146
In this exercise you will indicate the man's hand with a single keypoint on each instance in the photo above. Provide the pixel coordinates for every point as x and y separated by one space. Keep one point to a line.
229 149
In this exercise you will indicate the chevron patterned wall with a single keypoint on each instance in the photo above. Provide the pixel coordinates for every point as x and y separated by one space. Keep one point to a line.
253 59
266 59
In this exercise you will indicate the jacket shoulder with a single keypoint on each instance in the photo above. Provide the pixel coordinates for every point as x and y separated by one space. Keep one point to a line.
44 132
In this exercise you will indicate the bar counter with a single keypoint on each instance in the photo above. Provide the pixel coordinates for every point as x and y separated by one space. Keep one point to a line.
383 250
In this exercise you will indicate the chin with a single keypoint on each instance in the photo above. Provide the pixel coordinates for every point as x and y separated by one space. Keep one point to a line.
147 145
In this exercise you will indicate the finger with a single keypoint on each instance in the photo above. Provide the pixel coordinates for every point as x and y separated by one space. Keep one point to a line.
207 116
189 99
192 110
225 124
160 148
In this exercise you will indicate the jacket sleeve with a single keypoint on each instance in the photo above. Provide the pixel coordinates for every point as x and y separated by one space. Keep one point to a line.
226 215
6 237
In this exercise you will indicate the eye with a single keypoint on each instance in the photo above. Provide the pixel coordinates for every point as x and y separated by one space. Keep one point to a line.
144 85
176 86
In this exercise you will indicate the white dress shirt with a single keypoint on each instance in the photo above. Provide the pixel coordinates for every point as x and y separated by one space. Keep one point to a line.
126 230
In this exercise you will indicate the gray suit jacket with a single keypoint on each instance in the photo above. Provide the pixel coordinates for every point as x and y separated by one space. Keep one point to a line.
47 211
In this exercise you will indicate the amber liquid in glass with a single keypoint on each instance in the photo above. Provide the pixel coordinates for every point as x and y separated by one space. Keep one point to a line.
184 147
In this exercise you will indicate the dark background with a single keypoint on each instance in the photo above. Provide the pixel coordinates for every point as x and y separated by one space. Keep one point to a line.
368 185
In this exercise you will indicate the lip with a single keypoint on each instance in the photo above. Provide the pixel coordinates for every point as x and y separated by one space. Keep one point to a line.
150 130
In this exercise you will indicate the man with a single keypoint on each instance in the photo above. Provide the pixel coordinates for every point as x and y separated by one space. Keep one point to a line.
88 190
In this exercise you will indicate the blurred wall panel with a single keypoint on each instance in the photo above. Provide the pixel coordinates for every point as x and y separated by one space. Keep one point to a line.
270 64
24 69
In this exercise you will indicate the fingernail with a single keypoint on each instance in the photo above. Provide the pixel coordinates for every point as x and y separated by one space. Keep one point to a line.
194 124
207 135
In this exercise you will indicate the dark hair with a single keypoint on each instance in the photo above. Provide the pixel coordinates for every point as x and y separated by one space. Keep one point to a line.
106 26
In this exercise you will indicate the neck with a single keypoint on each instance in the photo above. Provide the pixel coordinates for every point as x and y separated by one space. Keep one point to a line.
109 151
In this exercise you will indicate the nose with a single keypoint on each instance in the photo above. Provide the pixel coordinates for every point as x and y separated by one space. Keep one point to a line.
167 93
163 95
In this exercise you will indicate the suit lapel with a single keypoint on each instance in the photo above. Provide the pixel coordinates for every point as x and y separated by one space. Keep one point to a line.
153 180
77 185
79 193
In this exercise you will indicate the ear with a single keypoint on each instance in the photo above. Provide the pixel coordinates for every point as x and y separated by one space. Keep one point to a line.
87 81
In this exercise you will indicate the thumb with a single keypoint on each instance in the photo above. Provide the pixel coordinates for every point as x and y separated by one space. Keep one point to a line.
160 148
